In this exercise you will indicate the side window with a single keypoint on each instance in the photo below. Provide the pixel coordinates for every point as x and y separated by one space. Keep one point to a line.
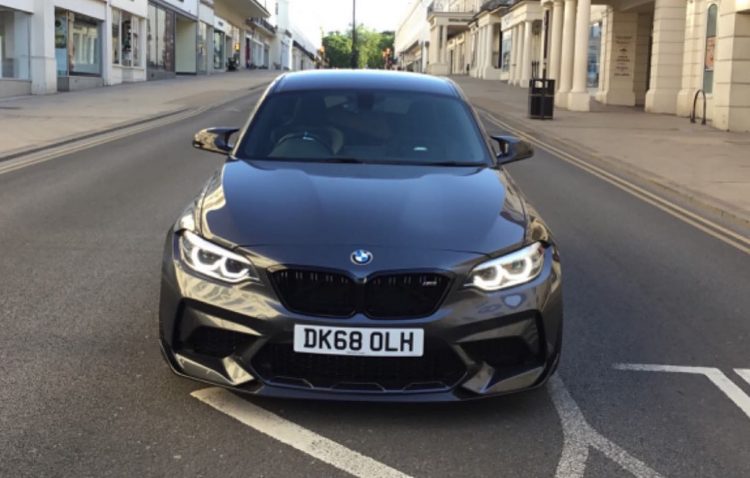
708 64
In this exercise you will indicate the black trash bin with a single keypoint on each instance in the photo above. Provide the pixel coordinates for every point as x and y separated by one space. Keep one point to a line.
541 98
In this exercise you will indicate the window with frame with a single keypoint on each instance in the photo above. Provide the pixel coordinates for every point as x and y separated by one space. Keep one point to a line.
125 39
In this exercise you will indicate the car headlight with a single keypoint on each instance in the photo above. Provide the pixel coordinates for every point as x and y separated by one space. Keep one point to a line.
215 261
519 267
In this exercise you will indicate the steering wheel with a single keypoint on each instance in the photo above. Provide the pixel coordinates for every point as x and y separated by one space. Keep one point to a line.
306 135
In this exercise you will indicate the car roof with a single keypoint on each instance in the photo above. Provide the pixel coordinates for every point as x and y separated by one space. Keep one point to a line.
364 79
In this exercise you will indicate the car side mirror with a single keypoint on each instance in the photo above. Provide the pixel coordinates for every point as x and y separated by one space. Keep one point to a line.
512 149
215 140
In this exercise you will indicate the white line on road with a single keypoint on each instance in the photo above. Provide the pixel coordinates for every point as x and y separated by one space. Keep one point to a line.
294 435
717 377
744 373
579 436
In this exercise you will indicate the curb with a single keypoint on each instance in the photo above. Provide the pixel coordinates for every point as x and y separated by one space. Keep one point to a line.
618 167
127 124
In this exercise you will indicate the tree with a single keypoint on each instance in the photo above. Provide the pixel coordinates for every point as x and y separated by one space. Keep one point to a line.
370 47
337 49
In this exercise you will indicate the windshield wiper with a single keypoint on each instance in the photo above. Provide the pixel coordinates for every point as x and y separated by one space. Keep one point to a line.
343 160
458 164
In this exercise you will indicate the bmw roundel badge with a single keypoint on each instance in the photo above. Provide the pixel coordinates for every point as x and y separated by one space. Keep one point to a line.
361 257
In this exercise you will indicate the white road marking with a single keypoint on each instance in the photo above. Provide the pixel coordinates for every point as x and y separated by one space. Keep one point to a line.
711 228
717 377
579 436
295 436
744 373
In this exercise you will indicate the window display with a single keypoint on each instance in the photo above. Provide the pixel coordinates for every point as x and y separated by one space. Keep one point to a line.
218 50
125 39
14 44
77 44
161 38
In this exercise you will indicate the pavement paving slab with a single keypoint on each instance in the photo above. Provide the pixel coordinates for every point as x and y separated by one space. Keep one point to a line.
31 122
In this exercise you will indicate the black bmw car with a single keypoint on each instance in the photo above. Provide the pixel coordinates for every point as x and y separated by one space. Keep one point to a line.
362 242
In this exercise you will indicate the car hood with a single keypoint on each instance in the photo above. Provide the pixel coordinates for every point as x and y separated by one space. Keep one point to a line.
263 203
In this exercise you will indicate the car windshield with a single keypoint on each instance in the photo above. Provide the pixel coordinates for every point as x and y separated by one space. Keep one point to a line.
375 126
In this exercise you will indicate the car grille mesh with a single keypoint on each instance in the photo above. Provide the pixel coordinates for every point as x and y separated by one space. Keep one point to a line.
385 296
438 368
313 292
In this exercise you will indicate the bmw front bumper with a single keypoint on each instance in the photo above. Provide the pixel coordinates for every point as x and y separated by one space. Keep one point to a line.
477 344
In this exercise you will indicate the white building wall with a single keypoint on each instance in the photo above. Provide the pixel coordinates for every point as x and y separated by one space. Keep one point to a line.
24 5
413 29
92 8
136 7
188 6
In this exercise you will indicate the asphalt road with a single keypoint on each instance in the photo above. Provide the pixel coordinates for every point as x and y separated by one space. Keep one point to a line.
84 391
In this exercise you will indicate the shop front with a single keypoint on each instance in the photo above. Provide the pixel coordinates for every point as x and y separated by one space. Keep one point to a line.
78 50
221 28
161 42
128 62
204 57
15 77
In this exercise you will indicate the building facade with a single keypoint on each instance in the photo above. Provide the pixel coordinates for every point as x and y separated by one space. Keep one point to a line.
292 48
48 46
665 56
413 38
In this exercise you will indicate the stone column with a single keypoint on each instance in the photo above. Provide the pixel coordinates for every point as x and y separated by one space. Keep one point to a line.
444 43
617 72
731 104
555 40
513 55
526 57
693 57
566 54
544 39
579 99
666 56
42 48
481 52
488 44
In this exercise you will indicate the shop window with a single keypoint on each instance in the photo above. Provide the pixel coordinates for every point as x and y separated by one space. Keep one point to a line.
160 38
708 64
77 44
14 44
116 19
125 39
202 47
218 50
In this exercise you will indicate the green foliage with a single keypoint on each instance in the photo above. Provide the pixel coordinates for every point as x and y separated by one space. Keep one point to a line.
338 49
370 46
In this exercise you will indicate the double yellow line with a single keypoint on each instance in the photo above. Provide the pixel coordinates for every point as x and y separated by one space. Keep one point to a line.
711 228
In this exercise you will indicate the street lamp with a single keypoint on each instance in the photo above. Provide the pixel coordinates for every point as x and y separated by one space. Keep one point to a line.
354 35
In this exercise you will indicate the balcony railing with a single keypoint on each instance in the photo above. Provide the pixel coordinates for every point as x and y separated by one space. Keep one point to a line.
446 6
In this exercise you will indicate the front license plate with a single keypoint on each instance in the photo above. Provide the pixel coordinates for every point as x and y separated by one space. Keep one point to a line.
318 339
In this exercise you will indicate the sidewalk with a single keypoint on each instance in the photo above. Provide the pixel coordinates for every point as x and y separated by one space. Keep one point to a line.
32 122
705 165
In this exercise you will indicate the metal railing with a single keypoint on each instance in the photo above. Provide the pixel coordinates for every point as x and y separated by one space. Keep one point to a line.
695 101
